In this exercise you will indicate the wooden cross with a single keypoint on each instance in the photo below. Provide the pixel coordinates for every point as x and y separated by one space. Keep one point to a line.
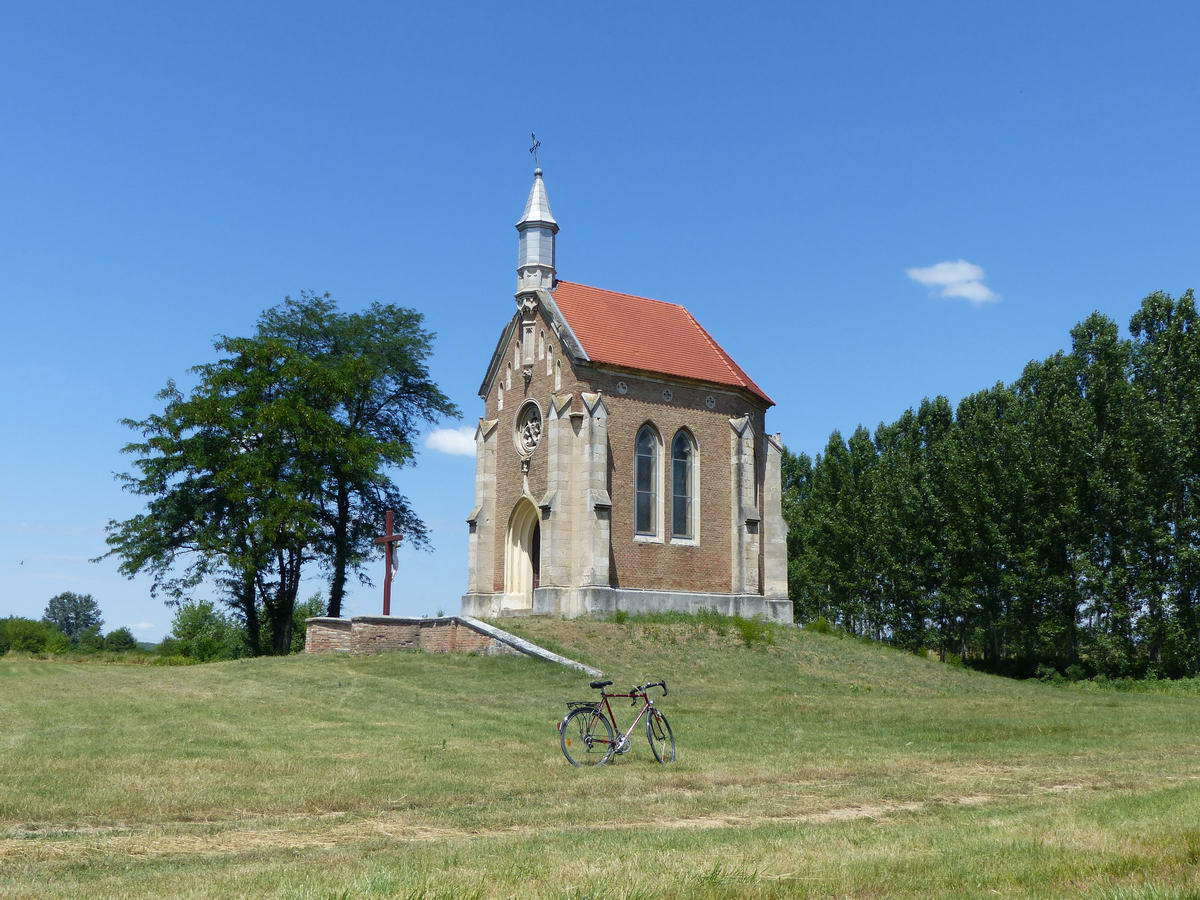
389 540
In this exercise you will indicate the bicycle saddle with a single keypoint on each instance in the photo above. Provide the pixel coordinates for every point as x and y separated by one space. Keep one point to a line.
600 684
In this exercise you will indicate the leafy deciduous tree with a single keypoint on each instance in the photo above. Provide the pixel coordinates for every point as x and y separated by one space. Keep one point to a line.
280 456
72 613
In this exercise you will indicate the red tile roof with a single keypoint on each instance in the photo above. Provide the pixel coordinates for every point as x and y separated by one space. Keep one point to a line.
647 335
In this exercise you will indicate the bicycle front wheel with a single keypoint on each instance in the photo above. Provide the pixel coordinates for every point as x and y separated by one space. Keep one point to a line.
662 739
586 737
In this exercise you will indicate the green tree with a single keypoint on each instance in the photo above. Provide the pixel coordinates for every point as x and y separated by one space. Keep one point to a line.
379 393
232 494
1166 379
202 632
72 613
120 640
277 458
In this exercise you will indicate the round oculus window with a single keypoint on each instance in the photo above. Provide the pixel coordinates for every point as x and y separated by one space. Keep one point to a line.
528 427
622 387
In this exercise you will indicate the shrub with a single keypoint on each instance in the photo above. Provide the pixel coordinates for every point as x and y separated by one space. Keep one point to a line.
89 640
819 625
202 632
172 660
1048 674
620 617
120 640
29 636
1076 672
754 631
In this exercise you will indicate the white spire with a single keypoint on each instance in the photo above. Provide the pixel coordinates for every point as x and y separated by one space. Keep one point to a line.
537 228
537 207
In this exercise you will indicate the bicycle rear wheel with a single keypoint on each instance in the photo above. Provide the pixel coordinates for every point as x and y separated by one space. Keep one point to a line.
662 739
586 737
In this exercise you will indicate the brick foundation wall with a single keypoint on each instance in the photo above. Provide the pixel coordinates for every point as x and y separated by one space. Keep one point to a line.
369 635
456 638
362 635
325 635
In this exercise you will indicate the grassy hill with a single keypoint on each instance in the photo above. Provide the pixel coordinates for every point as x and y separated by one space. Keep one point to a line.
813 766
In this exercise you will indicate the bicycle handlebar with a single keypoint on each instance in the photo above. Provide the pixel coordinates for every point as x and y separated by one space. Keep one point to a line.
641 688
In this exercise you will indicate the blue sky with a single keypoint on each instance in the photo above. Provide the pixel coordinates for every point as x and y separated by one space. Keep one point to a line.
171 170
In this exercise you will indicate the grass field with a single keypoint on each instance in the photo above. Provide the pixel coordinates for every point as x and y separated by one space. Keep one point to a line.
815 766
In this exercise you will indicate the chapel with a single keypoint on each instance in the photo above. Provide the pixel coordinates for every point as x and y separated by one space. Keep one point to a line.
622 460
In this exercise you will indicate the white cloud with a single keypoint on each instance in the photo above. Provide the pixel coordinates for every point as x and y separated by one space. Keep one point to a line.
455 441
956 279
142 626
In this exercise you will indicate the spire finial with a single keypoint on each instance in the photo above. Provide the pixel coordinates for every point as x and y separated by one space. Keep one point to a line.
534 146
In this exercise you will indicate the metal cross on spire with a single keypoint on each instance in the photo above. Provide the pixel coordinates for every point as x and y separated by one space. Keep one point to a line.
534 146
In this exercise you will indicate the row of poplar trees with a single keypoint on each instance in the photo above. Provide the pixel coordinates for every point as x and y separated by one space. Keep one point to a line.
1051 523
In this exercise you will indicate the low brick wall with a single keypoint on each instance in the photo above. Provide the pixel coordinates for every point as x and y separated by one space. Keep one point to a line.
377 634
325 635
457 638
443 634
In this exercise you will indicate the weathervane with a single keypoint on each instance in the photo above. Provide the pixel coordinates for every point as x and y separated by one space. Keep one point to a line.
533 148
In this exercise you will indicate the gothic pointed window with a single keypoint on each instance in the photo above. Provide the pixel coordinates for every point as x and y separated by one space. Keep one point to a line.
683 484
646 484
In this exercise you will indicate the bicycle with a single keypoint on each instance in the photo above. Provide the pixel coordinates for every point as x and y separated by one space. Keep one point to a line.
588 733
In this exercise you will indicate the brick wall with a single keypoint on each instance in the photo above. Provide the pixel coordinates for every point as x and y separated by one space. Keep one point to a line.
452 637
325 635
363 635
701 564
376 634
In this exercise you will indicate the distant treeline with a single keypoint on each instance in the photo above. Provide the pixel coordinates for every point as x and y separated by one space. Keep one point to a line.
1053 522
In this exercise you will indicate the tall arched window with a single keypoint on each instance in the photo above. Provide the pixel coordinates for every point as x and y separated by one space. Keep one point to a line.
683 484
646 484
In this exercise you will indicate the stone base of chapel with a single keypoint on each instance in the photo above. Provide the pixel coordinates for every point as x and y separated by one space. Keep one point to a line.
572 602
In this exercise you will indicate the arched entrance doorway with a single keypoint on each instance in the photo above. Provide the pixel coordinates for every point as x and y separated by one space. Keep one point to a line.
522 556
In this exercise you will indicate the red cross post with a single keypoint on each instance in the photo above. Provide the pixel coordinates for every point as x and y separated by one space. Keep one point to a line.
389 542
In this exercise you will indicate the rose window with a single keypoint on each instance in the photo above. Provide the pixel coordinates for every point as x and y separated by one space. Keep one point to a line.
529 428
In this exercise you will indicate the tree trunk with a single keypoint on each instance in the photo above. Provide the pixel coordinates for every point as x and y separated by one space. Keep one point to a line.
248 604
283 610
341 550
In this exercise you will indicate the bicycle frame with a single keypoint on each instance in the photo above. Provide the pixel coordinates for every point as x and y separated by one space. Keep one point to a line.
647 705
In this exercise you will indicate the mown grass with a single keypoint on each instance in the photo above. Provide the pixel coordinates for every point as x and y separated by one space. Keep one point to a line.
809 766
